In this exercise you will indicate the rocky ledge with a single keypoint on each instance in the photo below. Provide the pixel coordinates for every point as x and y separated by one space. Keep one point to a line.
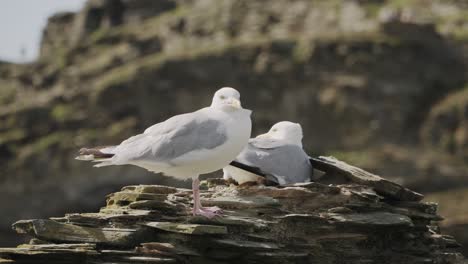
347 216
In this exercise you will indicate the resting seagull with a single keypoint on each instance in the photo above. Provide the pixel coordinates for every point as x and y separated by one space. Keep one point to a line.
278 154
186 145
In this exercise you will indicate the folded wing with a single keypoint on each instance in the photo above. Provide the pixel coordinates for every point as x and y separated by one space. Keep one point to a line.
287 163
171 139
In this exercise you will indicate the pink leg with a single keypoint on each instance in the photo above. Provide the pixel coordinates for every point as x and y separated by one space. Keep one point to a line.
209 212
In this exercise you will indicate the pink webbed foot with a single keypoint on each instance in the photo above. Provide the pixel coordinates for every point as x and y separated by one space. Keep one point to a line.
208 212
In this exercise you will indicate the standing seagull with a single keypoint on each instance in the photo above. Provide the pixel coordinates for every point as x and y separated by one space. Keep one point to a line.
277 153
187 145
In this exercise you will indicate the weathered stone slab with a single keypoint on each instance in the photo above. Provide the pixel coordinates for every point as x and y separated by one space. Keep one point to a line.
144 259
126 211
231 220
294 219
81 246
357 175
190 229
302 199
371 219
416 214
49 230
341 237
155 205
315 186
125 197
99 219
340 210
236 202
154 189
292 192
248 244
149 248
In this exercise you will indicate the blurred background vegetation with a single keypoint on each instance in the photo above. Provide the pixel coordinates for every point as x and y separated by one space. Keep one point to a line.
382 84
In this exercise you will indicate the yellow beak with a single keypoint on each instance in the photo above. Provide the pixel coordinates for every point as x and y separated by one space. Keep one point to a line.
235 103
263 135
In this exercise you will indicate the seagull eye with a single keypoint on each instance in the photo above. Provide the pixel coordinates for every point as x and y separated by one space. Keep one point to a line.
274 130
222 97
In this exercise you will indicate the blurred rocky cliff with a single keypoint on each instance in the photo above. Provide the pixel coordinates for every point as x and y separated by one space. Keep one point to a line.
381 84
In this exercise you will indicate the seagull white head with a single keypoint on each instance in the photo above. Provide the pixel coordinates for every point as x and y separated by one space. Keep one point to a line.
227 99
286 131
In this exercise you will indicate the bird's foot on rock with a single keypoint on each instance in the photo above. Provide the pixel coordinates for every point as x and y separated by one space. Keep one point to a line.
208 212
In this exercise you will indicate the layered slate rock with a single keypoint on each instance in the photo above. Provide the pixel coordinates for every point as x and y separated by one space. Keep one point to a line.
360 218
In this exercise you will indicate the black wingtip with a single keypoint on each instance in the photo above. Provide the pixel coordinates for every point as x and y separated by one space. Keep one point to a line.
269 179
248 168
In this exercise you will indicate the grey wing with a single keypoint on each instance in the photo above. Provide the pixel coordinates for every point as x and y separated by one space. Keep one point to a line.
173 138
287 163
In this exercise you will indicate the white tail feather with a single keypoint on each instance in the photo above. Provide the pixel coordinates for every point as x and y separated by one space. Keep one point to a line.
85 157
